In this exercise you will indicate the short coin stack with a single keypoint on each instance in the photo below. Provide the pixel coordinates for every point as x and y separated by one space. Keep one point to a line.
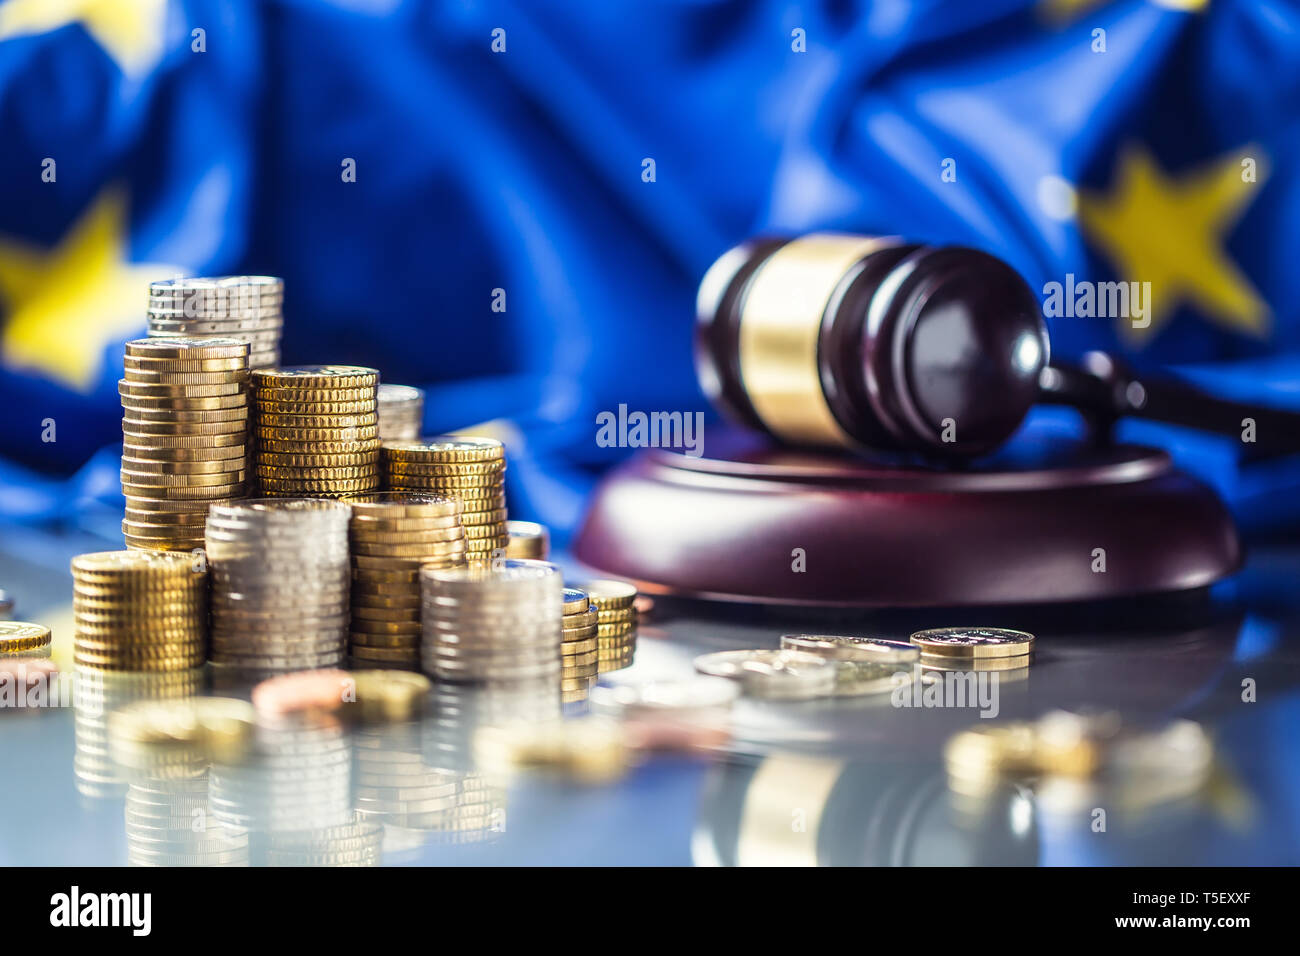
401 412
498 623
248 308
316 430
20 639
280 578
578 646
393 534
184 436
139 610
527 539
976 649
617 618
472 469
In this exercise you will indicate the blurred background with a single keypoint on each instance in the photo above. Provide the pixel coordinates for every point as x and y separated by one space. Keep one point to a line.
580 164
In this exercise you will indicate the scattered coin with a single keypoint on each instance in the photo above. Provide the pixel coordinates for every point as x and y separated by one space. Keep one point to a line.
773 674
973 643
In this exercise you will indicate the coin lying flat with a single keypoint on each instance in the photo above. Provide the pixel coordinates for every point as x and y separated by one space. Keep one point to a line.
973 643
842 648
213 728
391 695
18 637
772 673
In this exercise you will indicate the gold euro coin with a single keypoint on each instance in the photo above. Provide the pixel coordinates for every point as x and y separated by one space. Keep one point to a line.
973 643
609 594
446 448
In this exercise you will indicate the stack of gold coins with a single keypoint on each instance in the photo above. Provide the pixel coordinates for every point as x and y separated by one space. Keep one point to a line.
280 578
617 619
247 308
499 623
401 412
528 540
184 436
140 610
578 646
316 431
20 639
393 534
472 469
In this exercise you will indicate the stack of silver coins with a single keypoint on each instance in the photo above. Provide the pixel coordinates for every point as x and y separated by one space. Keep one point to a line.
169 823
280 576
236 307
401 412
495 623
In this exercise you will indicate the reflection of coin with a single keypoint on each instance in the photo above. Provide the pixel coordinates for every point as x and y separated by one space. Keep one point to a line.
676 696
775 674
973 642
862 649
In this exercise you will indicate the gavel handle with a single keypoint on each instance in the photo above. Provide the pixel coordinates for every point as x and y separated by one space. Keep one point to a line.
1103 390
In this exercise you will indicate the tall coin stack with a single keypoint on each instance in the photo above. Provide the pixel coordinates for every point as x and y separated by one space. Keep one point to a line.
492 623
579 645
617 621
184 436
139 611
401 412
393 534
279 584
247 308
472 469
316 430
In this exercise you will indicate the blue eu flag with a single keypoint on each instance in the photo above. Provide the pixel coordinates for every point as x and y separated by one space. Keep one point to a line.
511 203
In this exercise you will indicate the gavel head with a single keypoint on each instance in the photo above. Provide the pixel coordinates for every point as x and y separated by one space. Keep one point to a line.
855 341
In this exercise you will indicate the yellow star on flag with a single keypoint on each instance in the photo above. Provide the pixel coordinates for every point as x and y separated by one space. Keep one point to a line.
1172 231
62 307
130 31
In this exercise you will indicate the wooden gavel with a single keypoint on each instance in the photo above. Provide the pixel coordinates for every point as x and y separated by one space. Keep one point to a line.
867 342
